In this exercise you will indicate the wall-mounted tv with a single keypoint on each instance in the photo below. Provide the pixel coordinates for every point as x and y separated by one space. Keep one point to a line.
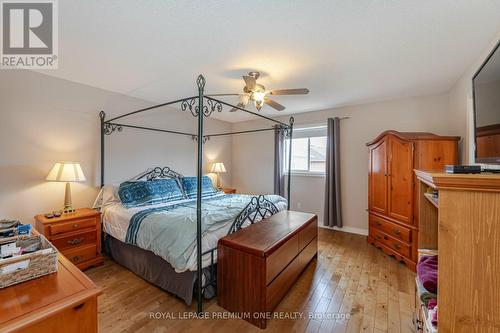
486 92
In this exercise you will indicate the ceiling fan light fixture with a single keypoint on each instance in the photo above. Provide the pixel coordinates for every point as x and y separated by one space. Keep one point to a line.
258 98
259 104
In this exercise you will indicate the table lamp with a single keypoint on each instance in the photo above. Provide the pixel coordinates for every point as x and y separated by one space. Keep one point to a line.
218 168
66 172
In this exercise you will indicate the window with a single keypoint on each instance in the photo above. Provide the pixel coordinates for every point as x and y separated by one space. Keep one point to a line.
308 150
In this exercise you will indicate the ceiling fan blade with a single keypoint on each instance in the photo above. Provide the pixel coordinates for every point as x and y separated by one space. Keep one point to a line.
238 105
250 82
274 104
299 91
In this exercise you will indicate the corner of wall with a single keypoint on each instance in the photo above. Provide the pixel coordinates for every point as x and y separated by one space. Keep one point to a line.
461 111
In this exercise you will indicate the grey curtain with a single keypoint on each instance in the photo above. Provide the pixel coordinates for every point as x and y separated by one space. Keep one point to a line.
333 211
279 166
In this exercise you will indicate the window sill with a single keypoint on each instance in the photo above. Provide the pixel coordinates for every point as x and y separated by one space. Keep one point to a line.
306 174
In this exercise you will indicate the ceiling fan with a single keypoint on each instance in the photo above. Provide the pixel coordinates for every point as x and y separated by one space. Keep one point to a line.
257 93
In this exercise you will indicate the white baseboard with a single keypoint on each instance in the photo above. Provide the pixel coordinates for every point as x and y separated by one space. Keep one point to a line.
351 230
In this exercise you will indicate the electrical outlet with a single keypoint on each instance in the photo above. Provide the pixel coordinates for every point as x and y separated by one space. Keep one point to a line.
299 205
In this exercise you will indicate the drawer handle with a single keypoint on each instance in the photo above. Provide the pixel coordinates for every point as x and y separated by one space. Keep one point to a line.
78 307
75 226
76 241
385 237
396 246
396 232
76 258
378 237
379 223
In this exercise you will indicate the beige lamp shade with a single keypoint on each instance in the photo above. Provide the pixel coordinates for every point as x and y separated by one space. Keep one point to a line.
218 167
66 172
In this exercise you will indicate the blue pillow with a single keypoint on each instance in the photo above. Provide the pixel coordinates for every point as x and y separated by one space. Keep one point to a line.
142 193
190 185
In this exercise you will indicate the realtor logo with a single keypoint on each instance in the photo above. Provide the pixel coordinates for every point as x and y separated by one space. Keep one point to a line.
29 34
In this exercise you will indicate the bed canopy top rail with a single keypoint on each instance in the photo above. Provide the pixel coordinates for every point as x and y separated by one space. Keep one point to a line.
119 127
151 108
198 108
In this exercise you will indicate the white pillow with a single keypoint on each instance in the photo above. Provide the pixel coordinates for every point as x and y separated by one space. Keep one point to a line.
108 195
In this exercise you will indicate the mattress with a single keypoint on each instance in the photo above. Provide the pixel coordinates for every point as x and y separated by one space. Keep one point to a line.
117 219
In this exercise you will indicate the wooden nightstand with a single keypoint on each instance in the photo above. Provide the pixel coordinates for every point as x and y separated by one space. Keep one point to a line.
77 236
228 190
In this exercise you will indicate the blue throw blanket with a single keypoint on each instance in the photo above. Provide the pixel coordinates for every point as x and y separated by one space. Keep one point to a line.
170 231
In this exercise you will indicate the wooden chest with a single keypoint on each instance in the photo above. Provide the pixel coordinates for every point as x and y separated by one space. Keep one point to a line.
256 266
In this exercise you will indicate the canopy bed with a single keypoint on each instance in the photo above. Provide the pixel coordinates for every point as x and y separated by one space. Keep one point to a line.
196 266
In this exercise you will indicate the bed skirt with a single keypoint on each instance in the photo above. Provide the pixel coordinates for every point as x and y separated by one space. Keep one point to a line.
156 270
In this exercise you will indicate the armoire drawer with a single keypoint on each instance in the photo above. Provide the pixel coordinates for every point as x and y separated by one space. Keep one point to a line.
392 229
396 245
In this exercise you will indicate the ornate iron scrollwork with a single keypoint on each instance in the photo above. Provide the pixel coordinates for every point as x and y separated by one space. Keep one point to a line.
205 138
158 173
110 128
211 107
258 206
191 105
285 130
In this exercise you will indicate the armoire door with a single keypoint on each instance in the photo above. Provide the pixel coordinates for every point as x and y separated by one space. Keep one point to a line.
400 180
378 178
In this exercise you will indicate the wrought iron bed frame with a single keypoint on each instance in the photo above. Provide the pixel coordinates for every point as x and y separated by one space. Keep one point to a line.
258 206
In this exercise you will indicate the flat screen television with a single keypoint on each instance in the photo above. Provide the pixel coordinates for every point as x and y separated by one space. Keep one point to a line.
486 94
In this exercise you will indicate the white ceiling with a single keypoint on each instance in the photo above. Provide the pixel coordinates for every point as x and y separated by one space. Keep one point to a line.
344 51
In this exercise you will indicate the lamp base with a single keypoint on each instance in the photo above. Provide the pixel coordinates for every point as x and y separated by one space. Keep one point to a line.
219 187
68 210
68 207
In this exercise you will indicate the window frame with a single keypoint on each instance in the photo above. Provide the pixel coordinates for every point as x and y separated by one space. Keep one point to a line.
307 172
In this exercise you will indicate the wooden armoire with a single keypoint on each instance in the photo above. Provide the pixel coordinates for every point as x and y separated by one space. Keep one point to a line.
392 194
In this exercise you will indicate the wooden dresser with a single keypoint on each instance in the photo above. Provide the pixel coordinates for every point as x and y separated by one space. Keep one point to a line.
76 235
463 225
61 302
257 265
393 215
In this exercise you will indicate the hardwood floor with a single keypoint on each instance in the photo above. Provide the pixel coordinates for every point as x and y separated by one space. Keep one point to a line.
374 293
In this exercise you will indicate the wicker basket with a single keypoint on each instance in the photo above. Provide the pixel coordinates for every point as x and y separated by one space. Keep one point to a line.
31 265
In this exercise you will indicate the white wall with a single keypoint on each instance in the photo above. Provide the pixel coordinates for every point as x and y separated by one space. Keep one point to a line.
461 105
253 153
44 120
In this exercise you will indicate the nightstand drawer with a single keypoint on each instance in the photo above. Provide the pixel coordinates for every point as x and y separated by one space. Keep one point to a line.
60 228
64 242
81 254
